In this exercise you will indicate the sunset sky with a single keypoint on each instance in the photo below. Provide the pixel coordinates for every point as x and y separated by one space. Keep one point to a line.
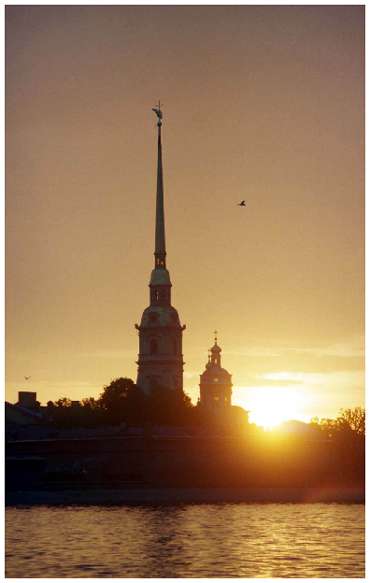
260 103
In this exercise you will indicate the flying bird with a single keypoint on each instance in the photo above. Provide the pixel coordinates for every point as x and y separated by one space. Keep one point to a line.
242 203
27 378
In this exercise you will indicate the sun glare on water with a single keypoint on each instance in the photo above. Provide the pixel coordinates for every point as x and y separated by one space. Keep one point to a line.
271 406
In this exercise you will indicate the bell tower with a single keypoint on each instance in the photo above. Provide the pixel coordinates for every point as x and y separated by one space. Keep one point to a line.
160 361
215 382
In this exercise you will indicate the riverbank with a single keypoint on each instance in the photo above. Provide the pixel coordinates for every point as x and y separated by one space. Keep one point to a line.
163 496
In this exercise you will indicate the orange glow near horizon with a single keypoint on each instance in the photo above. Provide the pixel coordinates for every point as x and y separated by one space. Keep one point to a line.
271 406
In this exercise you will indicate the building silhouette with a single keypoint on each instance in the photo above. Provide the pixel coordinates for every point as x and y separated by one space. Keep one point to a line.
215 382
160 360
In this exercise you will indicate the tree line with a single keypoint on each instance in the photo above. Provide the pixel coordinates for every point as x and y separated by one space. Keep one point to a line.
349 421
122 402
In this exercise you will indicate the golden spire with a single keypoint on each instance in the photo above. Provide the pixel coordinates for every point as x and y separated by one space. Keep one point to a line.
160 240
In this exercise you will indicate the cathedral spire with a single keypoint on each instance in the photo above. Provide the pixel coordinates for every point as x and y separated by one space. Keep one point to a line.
160 239
160 363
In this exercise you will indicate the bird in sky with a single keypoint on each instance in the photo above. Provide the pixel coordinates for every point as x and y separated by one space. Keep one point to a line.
27 378
242 203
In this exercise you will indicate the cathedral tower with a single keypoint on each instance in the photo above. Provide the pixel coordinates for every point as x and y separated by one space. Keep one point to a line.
160 362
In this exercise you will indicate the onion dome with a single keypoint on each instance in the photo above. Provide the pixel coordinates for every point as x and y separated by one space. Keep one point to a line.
214 372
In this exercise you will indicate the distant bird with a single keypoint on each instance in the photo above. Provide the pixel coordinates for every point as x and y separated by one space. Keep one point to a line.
242 203
27 378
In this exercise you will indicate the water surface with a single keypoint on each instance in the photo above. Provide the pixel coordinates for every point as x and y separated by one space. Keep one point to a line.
208 540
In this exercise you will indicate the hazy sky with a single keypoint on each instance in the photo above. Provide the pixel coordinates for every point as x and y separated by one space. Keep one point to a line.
263 103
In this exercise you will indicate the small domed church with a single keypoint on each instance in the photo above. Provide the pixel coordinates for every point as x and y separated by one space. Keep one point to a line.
215 382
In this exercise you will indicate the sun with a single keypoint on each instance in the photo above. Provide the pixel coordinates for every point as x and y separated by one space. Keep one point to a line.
267 419
271 406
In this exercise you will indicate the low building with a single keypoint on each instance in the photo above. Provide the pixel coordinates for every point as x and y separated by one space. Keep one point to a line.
25 417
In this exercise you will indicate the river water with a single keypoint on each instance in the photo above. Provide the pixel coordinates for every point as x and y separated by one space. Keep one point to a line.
208 540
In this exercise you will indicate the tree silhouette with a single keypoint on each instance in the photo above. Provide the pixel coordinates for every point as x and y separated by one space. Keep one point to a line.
90 403
123 401
353 419
350 422
63 402
168 407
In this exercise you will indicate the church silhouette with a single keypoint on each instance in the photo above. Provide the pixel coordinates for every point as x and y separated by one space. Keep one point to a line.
160 360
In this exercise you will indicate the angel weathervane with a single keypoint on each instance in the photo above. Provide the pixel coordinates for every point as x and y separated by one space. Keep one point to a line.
157 110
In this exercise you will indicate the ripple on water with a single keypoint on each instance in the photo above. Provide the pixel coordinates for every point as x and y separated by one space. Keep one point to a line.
226 540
